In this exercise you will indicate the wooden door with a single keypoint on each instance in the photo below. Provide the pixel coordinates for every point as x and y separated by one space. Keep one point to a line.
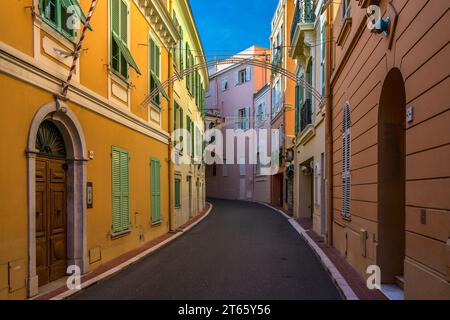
51 220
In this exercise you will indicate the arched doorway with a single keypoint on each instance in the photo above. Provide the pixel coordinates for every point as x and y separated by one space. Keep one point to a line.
391 178
56 164
51 204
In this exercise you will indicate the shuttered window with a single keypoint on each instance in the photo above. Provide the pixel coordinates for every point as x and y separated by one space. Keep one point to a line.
346 169
181 50
154 61
120 191
155 186
61 14
189 137
177 193
188 62
121 57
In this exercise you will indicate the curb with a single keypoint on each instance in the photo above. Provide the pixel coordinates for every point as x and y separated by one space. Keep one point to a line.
339 281
131 261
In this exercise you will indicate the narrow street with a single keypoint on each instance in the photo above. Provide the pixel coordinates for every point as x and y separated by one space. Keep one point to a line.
241 251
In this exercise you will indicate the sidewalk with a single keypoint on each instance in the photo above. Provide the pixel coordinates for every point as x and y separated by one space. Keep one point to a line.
110 268
343 274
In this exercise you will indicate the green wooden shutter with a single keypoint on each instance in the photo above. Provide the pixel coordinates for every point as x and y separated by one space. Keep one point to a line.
116 192
155 184
192 63
188 141
120 190
125 189
177 193
115 31
181 50
188 75
123 21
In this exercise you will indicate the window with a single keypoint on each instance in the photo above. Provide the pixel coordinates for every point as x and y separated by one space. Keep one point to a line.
260 114
258 164
224 84
346 169
181 49
61 13
154 62
188 65
177 193
155 186
120 191
242 170
242 76
121 57
192 64
243 119
346 9
276 98
175 49
189 140
225 170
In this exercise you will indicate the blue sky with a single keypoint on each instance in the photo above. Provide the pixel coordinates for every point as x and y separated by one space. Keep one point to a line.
230 26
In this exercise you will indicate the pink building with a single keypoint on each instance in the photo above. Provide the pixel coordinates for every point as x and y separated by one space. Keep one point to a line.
230 101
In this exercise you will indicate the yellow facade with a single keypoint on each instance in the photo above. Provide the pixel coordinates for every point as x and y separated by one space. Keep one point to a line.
102 111
191 177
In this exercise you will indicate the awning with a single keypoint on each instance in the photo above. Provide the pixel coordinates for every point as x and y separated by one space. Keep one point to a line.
126 53
81 15
158 83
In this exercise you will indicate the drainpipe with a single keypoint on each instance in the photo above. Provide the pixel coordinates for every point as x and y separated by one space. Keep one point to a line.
329 129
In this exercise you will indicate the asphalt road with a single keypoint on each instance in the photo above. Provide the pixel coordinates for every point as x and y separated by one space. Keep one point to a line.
242 251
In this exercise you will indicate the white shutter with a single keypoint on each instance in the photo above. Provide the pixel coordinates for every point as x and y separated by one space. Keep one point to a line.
236 78
248 74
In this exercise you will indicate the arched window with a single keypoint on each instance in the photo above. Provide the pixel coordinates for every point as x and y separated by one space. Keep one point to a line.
346 170
49 141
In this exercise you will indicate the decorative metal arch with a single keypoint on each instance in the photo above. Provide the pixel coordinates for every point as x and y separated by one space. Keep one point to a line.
239 61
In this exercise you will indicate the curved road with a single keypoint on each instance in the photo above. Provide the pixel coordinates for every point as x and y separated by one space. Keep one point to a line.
242 251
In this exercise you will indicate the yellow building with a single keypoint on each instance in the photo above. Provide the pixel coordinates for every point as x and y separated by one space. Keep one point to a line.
189 171
86 177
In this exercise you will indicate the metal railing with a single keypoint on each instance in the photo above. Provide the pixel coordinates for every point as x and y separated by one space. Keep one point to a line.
305 115
304 13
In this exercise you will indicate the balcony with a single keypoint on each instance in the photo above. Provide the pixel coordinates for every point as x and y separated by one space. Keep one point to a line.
305 115
304 20
307 129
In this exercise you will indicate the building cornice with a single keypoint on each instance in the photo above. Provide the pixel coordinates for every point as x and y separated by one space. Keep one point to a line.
160 20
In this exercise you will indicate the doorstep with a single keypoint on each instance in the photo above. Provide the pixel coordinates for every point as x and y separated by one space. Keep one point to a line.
58 290
348 281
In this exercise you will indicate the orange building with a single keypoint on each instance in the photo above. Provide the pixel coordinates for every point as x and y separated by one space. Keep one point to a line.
390 149
283 100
